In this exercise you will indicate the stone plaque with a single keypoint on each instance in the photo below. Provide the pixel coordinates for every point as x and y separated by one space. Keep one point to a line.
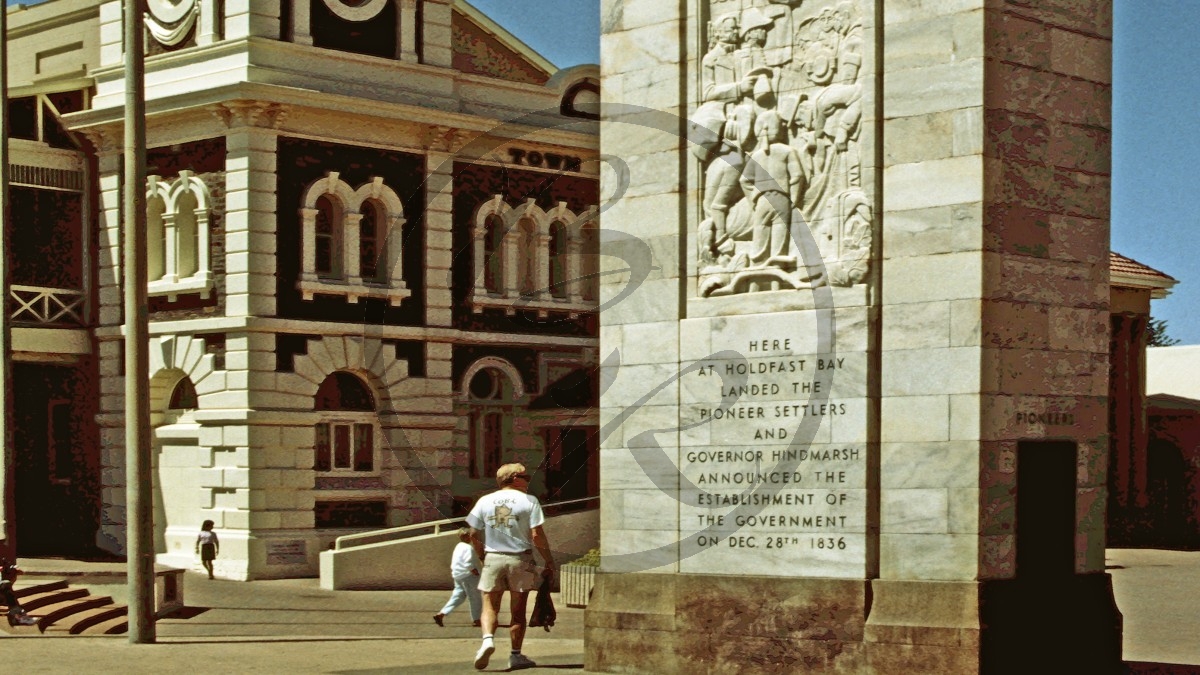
773 463
287 552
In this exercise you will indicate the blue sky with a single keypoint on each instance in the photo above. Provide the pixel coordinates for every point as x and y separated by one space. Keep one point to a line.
567 32
1156 96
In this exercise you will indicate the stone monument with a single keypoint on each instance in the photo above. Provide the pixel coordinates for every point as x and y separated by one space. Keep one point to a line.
855 327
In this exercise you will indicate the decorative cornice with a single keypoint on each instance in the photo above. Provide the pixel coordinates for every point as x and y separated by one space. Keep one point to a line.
105 139
234 114
440 138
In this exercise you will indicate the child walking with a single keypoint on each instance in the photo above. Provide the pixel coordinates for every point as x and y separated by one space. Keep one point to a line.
464 568
207 546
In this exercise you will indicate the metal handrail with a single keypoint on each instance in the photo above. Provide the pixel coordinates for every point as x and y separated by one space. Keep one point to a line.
434 527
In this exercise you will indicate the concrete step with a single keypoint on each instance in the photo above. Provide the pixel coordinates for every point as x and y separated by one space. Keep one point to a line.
35 601
25 589
113 626
64 611
77 624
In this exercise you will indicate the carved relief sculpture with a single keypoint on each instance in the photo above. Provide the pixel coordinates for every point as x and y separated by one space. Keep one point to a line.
170 22
777 131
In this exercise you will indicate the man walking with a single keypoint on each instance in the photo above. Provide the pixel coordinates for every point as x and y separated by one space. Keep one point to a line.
506 526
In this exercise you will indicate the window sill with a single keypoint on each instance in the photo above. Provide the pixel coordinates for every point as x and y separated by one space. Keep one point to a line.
201 283
353 290
542 306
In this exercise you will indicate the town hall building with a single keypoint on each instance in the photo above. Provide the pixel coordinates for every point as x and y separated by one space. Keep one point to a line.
373 233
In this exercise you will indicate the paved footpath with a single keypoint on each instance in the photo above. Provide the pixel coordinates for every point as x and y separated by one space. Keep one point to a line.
291 626
294 627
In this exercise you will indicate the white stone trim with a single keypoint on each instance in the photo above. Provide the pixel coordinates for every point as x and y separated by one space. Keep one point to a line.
165 11
368 358
170 23
407 44
301 22
364 12
508 369
172 36
510 296
173 358
350 284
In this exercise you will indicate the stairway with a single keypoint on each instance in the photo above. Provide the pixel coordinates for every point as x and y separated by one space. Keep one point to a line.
73 611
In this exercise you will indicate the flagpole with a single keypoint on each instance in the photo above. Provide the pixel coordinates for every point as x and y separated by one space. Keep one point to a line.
139 506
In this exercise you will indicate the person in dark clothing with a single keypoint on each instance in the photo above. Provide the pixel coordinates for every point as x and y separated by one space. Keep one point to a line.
207 545
17 616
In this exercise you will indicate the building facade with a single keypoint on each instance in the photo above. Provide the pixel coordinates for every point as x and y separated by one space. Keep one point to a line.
1134 496
373 232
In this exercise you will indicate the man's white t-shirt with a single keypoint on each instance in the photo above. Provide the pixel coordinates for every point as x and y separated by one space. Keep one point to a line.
506 518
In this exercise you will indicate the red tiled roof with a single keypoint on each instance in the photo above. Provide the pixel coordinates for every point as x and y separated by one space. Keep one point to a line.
1129 272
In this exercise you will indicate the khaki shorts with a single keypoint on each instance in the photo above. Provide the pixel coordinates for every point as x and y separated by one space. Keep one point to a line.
508 572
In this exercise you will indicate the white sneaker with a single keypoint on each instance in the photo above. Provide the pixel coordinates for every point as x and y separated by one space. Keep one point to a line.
519 661
484 653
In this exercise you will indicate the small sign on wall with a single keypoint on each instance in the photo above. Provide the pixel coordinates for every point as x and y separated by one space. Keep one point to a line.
288 552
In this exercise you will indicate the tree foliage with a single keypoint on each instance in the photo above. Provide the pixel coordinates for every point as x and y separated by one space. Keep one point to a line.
1158 334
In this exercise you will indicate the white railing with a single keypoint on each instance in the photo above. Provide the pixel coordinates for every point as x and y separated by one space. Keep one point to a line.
433 527
41 305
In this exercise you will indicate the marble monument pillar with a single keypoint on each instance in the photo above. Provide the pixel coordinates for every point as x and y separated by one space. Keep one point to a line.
855 334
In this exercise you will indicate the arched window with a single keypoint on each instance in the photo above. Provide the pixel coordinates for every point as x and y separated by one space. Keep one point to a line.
493 251
345 437
356 26
186 263
177 236
559 250
369 248
344 391
528 257
351 241
183 397
491 393
328 239
589 258
156 241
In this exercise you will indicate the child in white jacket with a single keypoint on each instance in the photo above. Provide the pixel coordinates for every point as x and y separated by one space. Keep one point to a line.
464 568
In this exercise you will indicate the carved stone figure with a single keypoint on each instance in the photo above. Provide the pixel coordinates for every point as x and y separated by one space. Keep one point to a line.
854 249
720 81
773 182
780 122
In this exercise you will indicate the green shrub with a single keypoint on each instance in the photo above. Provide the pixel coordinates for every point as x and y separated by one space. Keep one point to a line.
589 559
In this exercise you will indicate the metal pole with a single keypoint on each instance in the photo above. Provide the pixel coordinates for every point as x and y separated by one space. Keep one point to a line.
139 506
8 525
